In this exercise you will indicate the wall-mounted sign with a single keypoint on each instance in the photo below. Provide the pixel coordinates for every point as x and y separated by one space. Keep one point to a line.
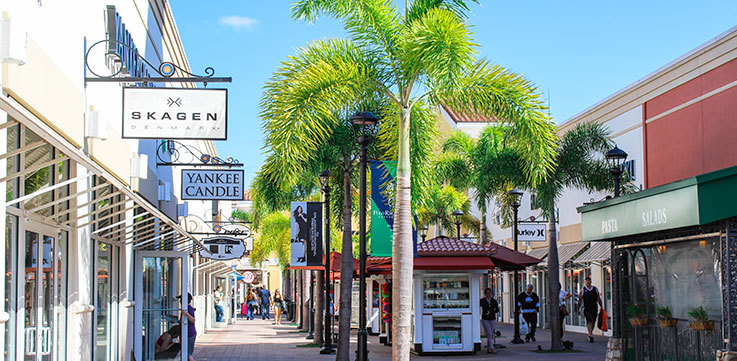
306 245
531 232
222 248
249 243
249 277
175 113
212 184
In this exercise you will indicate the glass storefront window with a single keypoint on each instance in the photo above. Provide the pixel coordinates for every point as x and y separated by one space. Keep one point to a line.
445 291
102 323
574 283
447 332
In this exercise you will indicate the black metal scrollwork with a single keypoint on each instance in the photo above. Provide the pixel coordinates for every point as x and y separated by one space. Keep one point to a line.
230 227
179 154
166 70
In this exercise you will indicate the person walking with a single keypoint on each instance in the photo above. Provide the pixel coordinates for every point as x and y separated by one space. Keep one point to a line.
191 329
489 309
251 303
529 305
563 296
590 300
265 296
219 304
278 302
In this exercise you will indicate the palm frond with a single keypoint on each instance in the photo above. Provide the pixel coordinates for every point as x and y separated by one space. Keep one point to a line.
418 8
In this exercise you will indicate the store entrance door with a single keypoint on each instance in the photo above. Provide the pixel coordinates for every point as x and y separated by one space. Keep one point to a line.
160 276
44 273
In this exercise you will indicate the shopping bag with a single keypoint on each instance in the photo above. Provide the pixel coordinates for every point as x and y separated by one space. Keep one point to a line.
523 327
602 320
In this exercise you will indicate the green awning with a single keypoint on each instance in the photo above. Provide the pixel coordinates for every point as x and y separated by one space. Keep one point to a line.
693 201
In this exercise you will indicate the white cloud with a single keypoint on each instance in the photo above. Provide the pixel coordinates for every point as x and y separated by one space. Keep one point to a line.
238 23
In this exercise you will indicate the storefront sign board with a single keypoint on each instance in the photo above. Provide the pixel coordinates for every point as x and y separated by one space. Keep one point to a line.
212 184
222 248
306 234
531 232
175 113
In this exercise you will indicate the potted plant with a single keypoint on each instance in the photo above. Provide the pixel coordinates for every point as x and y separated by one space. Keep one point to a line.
665 317
701 320
636 316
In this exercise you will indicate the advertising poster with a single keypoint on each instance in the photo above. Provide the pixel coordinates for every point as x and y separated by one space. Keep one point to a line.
306 234
383 174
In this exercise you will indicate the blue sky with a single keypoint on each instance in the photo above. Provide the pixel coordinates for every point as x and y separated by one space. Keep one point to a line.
577 52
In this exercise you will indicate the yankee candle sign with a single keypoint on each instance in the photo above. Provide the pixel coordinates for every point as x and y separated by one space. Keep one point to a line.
220 184
175 113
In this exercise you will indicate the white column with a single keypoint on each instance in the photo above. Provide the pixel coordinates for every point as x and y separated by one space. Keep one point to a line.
81 265
4 315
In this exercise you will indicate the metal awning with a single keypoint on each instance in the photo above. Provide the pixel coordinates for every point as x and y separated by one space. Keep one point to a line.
162 232
598 252
539 253
566 252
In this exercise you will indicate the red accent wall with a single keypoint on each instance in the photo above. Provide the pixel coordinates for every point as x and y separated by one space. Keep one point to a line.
697 139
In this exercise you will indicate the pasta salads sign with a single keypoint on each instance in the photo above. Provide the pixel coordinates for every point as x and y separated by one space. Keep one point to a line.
175 113
218 184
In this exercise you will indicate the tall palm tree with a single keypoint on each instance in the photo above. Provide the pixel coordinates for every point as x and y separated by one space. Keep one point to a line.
489 165
437 209
273 238
580 165
413 61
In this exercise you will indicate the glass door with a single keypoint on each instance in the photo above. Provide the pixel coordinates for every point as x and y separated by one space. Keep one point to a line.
44 293
161 278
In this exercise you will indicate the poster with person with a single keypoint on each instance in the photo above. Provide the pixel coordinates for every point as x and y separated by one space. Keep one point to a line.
306 234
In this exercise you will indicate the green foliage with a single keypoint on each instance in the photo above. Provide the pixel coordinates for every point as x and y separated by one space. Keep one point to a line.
242 216
439 206
699 314
663 312
634 311
273 239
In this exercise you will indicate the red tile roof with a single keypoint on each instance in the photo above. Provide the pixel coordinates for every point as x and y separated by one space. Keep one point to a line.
446 246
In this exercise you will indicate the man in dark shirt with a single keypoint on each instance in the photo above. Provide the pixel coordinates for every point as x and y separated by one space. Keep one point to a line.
529 305
265 297
489 309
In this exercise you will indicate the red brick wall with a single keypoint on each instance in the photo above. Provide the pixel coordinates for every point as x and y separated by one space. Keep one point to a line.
699 138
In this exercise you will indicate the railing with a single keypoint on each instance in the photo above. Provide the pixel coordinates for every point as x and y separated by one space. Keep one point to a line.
655 343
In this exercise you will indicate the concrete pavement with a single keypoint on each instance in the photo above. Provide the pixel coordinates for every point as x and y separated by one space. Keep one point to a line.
261 341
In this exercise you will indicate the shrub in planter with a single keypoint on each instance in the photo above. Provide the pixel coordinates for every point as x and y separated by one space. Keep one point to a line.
701 320
665 317
636 316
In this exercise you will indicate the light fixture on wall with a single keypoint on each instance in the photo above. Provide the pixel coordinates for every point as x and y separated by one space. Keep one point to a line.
139 166
13 41
96 126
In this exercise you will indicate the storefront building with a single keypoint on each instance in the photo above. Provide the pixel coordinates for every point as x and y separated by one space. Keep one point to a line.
96 247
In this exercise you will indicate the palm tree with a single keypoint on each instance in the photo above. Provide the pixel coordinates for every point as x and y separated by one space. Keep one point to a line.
439 206
273 237
489 165
412 61
580 165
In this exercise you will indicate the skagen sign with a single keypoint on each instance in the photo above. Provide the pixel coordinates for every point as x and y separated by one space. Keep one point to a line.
219 184
175 113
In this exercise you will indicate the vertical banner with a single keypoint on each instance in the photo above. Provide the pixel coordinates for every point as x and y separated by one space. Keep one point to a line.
306 234
383 175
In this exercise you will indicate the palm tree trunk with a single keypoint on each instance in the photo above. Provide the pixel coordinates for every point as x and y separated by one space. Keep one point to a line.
483 238
402 249
346 267
306 300
553 281
319 307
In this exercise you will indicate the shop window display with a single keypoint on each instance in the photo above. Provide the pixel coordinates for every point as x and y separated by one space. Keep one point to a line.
446 291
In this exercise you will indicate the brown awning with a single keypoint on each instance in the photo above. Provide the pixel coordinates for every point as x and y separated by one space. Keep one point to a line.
598 252
508 259
566 252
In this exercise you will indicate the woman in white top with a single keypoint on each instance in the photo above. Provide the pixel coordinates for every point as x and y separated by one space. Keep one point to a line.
562 297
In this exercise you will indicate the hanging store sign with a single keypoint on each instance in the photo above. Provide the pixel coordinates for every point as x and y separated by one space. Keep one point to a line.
222 248
249 277
175 113
306 235
220 184
531 232
383 175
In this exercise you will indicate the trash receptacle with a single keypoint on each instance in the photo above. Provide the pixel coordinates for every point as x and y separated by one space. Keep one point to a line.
290 310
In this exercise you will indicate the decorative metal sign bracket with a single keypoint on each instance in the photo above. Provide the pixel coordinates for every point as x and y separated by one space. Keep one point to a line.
179 154
166 70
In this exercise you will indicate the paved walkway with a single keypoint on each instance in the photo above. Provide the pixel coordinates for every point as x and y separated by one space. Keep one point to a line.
261 341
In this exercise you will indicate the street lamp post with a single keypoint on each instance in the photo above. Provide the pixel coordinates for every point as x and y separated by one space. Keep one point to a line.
615 157
516 195
324 182
457 214
364 121
424 232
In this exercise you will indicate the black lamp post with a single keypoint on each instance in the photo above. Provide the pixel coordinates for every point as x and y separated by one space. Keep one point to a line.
615 157
325 183
457 214
424 232
364 121
516 195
